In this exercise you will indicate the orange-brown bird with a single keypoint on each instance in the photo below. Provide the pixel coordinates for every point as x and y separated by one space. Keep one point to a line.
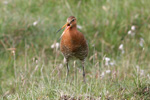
73 43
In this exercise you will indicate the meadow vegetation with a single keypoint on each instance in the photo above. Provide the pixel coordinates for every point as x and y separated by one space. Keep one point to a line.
32 66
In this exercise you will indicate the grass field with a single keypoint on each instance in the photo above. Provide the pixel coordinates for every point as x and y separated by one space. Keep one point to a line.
118 64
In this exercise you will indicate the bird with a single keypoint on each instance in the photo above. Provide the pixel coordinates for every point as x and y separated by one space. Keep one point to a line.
73 43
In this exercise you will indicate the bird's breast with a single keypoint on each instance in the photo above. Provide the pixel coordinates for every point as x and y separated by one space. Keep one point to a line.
72 40
74 44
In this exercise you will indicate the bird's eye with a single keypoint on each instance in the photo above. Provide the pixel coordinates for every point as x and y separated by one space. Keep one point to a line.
72 20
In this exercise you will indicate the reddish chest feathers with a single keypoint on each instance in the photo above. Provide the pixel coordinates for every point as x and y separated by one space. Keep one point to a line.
72 40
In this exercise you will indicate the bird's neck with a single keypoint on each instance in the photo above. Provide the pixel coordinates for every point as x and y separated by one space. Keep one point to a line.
73 29
71 32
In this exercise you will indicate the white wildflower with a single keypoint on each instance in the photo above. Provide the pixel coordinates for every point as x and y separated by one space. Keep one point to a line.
107 61
105 8
35 23
55 45
129 32
52 46
36 61
103 74
79 26
13 52
141 42
112 63
133 28
121 47
9 96
108 71
107 92
60 66
5 2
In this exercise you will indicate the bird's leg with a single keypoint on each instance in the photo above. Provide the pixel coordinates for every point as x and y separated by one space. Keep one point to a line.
67 69
66 62
83 72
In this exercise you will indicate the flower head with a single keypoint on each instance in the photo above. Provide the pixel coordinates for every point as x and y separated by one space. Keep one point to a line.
121 48
35 23
141 42
55 45
133 28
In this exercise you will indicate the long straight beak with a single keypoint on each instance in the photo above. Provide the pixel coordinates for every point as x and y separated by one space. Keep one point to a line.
62 27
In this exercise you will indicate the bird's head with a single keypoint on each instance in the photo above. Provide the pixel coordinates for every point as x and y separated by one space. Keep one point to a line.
71 22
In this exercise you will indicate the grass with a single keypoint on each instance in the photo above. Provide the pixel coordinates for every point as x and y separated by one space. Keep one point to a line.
36 71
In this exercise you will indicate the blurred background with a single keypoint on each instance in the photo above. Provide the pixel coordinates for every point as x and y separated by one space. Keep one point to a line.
32 66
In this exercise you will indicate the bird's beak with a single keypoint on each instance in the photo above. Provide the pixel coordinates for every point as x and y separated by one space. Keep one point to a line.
68 26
